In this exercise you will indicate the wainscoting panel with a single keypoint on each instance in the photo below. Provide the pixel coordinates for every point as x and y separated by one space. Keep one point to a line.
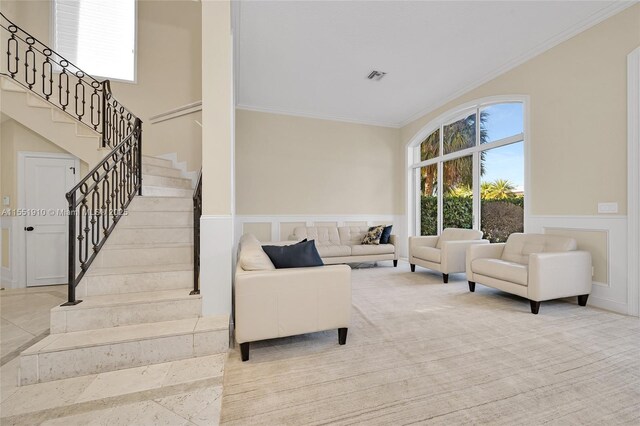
261 230
286 229
605 237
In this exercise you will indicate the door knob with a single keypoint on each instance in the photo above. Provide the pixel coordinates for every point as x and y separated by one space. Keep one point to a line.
28 228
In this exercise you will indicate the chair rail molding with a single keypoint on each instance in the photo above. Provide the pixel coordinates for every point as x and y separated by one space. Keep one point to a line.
633 180
612 294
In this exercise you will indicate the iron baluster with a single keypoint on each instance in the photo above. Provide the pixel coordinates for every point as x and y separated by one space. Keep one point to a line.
47 69
197 212
71 240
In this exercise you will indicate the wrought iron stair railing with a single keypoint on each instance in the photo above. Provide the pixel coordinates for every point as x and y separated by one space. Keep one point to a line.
98 202
197 212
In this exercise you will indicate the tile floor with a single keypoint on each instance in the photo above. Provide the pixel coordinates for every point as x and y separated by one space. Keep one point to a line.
185 392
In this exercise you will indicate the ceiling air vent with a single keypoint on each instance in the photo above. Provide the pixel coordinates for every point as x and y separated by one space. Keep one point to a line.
376 75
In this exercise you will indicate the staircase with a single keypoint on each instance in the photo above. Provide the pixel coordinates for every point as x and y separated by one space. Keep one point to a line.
136 308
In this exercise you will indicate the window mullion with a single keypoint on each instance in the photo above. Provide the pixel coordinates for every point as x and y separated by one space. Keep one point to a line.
440 184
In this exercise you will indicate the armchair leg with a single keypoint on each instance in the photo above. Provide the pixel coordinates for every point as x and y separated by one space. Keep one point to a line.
535 307
472 286
582 299
244 351
413 267
445 278
395 263
342 335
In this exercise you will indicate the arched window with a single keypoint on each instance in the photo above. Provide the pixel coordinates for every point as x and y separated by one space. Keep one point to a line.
467 170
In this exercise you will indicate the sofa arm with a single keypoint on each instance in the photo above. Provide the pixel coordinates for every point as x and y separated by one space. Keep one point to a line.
423 241
393 239
453 254
286 302
559 274
479 251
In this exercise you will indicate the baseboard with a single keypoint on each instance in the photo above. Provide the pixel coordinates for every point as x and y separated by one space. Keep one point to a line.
607 304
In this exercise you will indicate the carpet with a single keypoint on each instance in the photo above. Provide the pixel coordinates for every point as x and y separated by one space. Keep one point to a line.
423 352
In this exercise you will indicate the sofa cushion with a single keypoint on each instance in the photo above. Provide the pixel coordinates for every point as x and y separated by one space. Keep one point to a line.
430 254
369 249
299 255
500 269
373 235
519 246
453 234
251 255
322 234
352 235
386 234
333 250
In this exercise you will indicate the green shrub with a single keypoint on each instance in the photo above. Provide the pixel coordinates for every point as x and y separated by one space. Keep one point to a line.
500 218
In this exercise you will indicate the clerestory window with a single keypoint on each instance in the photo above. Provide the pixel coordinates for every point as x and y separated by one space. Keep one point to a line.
97 36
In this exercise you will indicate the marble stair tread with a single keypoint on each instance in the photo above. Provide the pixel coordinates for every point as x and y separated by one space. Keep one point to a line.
162 191
155 161
139 269
105 300
150 203
167 181
108 246
127 333
125 225
150 169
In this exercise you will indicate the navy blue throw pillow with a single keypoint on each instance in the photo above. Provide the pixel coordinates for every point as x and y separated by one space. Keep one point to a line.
299 255
386 233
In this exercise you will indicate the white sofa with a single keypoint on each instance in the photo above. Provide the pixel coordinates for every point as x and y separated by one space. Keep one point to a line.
444 253
344 244
272 303
536 266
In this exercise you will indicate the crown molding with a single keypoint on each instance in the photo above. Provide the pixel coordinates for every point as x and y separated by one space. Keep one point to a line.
272 110
587 23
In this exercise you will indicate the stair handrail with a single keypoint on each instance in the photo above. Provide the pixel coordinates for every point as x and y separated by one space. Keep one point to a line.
27 58
98 202
197 213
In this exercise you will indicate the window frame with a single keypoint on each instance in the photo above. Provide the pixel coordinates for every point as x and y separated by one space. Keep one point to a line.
414 164
52 43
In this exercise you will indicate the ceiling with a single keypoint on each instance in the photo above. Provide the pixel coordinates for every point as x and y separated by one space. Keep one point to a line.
311 58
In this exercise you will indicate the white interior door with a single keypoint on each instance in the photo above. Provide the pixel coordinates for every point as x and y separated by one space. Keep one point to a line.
47 180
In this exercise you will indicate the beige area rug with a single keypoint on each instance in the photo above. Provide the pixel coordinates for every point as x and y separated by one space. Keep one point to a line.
423 352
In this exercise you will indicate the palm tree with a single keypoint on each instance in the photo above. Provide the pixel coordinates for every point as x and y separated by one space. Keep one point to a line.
499 189
460 191
458 135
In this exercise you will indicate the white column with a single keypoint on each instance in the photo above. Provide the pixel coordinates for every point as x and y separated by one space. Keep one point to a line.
216 224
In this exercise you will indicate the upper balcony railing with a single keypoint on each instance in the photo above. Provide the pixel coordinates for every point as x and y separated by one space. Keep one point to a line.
47 74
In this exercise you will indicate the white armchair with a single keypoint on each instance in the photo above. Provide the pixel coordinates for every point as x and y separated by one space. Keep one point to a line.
538 267
444 253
